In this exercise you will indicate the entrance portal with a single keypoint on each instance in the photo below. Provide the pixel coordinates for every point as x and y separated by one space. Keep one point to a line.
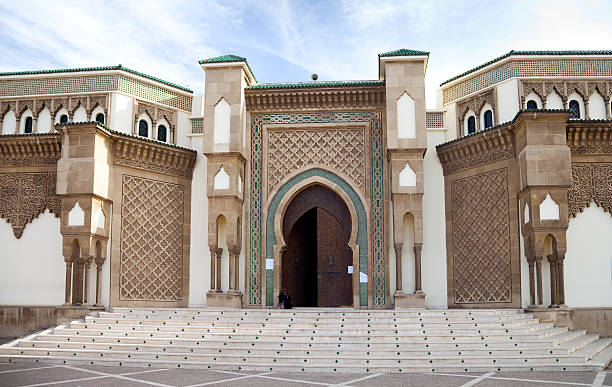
317 261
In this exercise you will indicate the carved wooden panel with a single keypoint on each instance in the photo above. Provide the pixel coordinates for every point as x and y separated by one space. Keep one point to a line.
151 240
481 239
591 182
337 148
25 196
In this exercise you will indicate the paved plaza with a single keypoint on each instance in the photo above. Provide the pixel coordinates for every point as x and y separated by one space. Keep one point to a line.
13 375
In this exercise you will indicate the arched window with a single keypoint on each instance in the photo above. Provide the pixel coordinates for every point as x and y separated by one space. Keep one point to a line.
28 125
531 104
100 118
162 133
143 128
471 125
575 106
488 119
64 119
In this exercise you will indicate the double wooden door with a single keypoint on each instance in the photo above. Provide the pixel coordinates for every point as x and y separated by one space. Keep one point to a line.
317 261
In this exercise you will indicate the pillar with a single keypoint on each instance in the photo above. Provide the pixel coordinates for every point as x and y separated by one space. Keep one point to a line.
531 261
86 267
398 267
99 263
538 259
218 253
417 268
213 253
237 269
553 280
34 124
68 281
608 108
232 267
561 279
77 285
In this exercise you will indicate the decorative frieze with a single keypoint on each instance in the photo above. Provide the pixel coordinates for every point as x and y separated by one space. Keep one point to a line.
543 88
475 105
29 150
592 182
72 103
481 148
136 153
315 98
590 137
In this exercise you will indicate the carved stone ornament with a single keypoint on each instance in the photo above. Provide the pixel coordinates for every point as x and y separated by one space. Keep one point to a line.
592 182
76 102
138 153
25 196
95 101
476 103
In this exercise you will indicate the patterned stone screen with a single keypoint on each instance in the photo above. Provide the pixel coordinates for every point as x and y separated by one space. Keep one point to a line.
481 239
151 240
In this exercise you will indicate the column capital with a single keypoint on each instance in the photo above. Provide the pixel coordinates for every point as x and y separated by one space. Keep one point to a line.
552 258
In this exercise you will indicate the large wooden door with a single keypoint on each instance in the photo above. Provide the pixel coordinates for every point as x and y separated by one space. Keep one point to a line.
333 259
315 264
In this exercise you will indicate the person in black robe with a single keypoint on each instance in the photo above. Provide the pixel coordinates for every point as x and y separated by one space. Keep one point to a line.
284 301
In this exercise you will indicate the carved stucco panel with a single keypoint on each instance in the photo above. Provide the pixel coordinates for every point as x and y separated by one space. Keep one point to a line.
592 182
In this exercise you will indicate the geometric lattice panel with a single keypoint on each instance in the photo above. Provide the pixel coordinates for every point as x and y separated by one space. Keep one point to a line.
339 149
151 240
481 239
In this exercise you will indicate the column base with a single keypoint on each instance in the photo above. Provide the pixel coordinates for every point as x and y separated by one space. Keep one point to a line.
231 299
409 300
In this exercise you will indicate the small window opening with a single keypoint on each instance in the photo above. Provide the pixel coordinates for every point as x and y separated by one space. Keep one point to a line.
488 119
64 119
531 104
100 118
471 125
162 133
28 125
143 128
575 107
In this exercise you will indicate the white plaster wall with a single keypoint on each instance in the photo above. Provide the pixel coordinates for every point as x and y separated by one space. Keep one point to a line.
482 112
122 110
554 101
588 262
80 115
197 106
43 125
450 122
199 254
406 117
433 255
9 123
59 115
597 107
183 129
32 268
507 100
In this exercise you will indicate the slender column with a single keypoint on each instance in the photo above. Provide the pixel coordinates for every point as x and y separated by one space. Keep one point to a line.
99 262
86 266
531 261
398 267
34 124
237 269
608 112
219 252
539 277
232 268
18 125
587 111
561 279
68 281
553 281
213 253
77 282
417 268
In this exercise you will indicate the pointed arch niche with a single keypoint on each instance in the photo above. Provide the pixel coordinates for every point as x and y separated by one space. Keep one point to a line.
406 117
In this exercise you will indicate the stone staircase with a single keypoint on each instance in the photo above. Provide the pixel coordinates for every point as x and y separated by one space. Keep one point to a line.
315 340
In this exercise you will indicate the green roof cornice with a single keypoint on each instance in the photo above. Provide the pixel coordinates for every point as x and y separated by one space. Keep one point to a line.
103 68
403 52
517 115
529 53
228 58
37 134
125 134
300 85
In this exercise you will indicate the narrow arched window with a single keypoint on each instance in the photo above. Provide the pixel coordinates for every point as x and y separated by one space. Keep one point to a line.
143 128
471 125
162 133
575 107
64 119
531 104
100 118
488 119
28 125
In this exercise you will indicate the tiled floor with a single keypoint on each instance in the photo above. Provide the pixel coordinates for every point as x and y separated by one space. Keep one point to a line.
12 375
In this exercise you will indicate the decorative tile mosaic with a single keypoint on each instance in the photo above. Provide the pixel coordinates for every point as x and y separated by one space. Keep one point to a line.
95 83
434 120
255 260
362 238
530 68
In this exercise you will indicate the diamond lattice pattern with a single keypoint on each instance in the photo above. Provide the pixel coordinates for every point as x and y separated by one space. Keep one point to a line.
341 149
481 239
151 240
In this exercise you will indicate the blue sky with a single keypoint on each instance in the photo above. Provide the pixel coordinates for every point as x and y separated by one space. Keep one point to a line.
289 40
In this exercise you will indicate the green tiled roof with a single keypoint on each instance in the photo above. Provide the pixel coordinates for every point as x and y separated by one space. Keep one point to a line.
403 52
298 85
226 59
125 134
29 134
507 123
103 68
525 53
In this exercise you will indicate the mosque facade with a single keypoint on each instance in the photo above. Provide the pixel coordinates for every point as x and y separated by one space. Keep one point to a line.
121 189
